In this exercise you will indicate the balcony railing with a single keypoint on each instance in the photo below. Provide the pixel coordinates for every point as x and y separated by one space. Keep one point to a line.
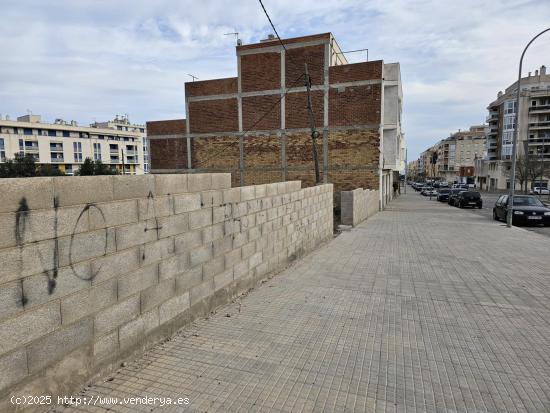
58 159
540 125
541 108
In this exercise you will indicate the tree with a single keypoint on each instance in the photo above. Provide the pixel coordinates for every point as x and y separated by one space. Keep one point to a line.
21 166
90 167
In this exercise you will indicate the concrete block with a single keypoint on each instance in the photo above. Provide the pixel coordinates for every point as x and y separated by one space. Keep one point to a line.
187 203
29 326
261 191
262 269
53 347
188 241
199 182
221 181
90 301
200 219
133 186
76 190
149 208
26 193
220 214
232 195
232 226
281 188
222 245
173 307
211 199
200 255
212 233
137 280
116 264
294 186
212 267
170 184
41 288
254 233
13 367
113 213
173 225
248 249
240 239
156 251
11 299
116 315
266 203
188 279
80 247
271 189
157 294
133 332
30 259
261 217
131 235
239 209
170 267
201 291
241 270
232 258
255 260
223 279
248 192
106 346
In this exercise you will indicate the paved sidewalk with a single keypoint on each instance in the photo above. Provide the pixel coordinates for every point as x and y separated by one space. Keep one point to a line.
422 308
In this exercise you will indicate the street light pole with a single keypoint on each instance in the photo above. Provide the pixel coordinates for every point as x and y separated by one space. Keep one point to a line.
515 140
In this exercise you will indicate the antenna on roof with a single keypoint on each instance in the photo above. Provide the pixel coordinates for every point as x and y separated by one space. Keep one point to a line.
236 34
193 76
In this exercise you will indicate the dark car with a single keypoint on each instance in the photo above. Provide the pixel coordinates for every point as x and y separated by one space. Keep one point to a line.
469 199
528 209
453 194
443 194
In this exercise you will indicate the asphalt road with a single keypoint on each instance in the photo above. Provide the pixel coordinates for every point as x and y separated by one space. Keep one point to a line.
489 200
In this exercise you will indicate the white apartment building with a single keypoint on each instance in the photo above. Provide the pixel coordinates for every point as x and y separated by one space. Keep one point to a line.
533 133
66 145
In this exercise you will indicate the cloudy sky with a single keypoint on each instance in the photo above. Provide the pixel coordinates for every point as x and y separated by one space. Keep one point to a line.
91 59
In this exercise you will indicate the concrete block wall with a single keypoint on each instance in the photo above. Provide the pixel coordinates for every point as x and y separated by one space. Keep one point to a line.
97 268
358 205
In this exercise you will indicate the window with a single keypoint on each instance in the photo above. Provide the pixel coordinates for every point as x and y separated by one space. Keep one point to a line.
52 133
2 151
97 151
66 134
27 131
77 147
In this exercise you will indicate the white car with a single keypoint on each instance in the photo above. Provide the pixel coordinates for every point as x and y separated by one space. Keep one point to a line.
540 191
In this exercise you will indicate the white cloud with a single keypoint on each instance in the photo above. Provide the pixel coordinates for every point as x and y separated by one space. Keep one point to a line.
94 58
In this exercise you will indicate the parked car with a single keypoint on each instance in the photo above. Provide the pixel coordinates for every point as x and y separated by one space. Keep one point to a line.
469 199
540 191
431 192
443 194
453 194
425 190
528 209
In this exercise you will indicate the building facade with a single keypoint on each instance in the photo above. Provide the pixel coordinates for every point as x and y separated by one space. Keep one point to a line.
66 145
257 125
493 172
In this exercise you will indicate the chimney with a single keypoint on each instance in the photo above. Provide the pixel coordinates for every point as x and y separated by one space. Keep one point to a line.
536 72
529 74
543 70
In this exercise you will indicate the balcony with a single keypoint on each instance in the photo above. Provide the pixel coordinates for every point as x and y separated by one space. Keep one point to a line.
115 160
492 118
131 161
539 109
539 141
539 125
57 159
129 152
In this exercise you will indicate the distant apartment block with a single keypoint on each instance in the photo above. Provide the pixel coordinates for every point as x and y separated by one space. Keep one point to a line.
66 145
256 125
533 135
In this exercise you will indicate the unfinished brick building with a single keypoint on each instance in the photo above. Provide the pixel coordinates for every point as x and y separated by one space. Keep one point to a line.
256 125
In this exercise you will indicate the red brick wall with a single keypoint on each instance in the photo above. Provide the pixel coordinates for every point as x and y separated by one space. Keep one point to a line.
321 36
314 56
211 87
166 127
262 112
168 153
356 105
209 116
356 71
260 71
296 112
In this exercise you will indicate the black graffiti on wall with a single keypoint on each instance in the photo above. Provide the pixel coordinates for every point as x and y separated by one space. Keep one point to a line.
50 265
